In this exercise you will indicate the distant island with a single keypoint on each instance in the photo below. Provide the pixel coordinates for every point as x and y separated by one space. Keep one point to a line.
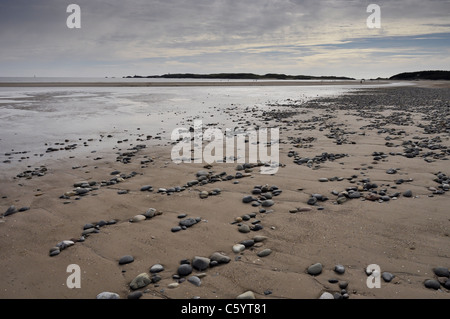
239 76
422 75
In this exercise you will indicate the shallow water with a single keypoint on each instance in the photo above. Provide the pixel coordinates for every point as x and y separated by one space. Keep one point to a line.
33 119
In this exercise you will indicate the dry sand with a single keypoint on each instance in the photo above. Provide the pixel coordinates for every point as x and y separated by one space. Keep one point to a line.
407 237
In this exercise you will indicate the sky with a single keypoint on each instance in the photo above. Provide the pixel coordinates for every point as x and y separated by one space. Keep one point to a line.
152 37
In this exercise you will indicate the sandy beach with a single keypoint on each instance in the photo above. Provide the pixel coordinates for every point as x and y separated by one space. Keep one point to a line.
363 180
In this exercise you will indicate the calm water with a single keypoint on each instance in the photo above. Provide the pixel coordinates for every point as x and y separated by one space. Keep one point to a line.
33 119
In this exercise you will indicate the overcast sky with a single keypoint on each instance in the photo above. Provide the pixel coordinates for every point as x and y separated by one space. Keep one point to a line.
309 37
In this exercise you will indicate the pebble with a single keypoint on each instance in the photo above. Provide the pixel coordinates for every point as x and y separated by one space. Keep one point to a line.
135 295
264 253
184 269
195 280
326 295
244 228
408 193
267 203
238 248
246 295
432 284
339 269
140 281
107 295
441 272
138 218
387 276
200 263
173 285
126 260
156 268
248 243
220 258
188 222
315 269
11 210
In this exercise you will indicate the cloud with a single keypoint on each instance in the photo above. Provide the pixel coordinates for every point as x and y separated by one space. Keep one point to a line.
123 37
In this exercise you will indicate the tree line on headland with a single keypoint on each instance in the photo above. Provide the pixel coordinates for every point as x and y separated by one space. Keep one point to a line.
240 76
419 75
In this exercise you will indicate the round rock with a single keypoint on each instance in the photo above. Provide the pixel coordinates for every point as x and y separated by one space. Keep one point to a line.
432 284
200 263
156 268
126 260
184 269
107 295
315 269
140 281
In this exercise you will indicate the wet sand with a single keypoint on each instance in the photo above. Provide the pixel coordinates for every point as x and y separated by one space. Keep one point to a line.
406 236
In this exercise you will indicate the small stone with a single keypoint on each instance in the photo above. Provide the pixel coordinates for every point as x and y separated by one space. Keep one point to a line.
195 280
315 269
135 295
107 295
173 285
248 243
140 281
200 263
246 295
188 222
264 253
238 248
343 284
204 194
441 272
387 276
267 203
247 199
156 268
407 193
339 269
11 210
312 201
244 228
323 179
138 218
326 295
126 260
184 269
220 258
432 284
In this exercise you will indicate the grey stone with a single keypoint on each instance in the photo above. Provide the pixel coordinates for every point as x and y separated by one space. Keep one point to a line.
156 268
140 281
387 276
188 222
246 295
326 295
200 263
184 269
220 258
441 272
195 280
432 284
126 260
264 253
339 269
107 295
135 295
407 193
244 228
267 203
11 210
315 269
